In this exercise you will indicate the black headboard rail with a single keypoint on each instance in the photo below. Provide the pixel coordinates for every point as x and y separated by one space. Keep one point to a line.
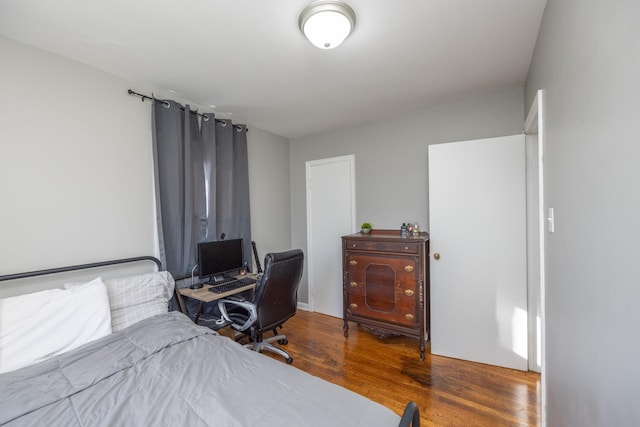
80 267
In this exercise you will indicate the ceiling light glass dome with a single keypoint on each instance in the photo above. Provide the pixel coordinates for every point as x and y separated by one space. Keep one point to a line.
327 23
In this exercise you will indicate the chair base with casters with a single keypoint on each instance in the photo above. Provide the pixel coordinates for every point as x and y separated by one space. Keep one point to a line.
241 323
274 302
259 344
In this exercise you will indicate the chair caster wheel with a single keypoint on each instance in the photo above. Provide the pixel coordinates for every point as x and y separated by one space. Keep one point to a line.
289 360
283 341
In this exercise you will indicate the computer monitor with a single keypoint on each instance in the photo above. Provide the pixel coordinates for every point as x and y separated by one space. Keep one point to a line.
219 258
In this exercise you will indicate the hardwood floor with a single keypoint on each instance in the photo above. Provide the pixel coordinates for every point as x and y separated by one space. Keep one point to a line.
449 392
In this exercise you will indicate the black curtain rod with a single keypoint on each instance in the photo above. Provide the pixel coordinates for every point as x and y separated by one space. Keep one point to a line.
204 116
143 97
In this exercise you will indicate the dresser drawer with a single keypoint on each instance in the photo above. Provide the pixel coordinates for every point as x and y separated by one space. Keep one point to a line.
382 246
401 267
403 313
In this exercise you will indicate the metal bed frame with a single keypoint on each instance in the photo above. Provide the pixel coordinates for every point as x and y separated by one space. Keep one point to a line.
80 267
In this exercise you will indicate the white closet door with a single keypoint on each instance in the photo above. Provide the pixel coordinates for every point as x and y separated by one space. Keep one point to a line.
477 215
330 215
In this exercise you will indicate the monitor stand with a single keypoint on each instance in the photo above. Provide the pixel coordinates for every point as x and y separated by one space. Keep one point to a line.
221 278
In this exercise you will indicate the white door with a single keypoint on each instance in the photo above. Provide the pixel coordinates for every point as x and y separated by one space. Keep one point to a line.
477 215
330 215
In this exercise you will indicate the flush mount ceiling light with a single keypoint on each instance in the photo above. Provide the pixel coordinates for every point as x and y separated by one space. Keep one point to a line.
327 23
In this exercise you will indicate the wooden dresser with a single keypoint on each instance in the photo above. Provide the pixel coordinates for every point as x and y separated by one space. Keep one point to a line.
385 282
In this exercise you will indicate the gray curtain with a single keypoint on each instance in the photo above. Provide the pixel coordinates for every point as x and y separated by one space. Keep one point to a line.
192 157
231 201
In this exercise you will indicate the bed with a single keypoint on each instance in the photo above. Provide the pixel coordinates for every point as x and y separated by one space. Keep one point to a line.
153 367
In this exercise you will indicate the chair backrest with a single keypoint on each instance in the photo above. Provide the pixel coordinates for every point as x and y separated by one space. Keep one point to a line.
276 294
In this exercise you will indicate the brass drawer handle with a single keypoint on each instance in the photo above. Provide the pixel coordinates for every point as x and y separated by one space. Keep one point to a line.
355 245
406 248
353 262
353 305
408 316
354 284
408 268
408 292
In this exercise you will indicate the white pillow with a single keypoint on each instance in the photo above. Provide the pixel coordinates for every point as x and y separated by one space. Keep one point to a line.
135 298
35 327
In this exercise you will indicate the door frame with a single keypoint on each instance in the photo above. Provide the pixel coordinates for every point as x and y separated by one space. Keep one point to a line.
535 238
350 159
534 128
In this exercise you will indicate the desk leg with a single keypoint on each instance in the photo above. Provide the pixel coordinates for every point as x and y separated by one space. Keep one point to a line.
198 313
183 309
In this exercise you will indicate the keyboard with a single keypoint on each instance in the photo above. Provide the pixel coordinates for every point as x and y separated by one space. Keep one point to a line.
230 285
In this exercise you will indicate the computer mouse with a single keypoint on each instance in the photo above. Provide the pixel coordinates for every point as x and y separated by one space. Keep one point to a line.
196 286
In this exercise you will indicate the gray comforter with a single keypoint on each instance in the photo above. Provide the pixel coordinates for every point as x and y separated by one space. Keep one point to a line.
166 371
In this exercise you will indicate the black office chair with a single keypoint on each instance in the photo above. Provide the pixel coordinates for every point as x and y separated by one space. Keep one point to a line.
274 301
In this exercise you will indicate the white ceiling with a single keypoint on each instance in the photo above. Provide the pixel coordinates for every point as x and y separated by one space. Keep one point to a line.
248 57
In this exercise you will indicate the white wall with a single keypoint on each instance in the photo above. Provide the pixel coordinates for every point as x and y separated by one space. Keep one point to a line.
269 191
391 158
75 164
76 168
587 61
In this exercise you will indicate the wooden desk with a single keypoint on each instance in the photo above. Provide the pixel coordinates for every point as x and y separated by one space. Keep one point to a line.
203 295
